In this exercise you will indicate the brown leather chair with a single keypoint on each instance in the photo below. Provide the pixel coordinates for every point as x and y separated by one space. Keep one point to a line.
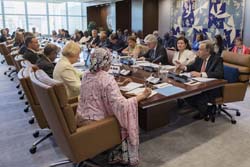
24 78
233 92
6 53
170 53
77 143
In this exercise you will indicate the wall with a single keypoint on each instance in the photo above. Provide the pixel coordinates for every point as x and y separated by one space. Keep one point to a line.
98 14
150 16
246 34
164 16
123 15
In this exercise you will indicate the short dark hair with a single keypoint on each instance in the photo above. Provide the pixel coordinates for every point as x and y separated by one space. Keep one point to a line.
113 36
49 49
28 40
132 38
185 41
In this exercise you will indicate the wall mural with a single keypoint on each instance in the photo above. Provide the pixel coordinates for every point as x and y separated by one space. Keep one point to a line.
210 17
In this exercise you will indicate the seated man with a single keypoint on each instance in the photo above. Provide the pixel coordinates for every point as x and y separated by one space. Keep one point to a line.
116 44
32 48
45 62
95 39
209 66
65 72
157 53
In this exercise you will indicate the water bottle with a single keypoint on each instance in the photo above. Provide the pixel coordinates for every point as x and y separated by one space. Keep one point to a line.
115 57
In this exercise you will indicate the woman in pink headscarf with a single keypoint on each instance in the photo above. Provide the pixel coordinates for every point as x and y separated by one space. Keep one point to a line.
100 97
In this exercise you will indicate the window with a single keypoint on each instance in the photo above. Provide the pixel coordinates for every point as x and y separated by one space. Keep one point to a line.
39 22
14 7
14 21
75 23
36 8
57 22
1 21
74 8
57 8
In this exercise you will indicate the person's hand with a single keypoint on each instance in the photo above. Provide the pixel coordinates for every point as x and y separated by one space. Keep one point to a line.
147 92
126 81
141 59
195 74
179 66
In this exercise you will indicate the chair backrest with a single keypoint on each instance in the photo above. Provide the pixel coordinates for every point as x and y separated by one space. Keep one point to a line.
242 62
5 52
170 54
236 91
25 63
54 102
24 78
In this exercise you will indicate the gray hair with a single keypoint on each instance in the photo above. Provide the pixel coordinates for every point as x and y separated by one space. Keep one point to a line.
209 45
150 38
71 49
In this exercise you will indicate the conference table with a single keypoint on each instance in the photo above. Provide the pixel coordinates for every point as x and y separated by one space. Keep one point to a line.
156 111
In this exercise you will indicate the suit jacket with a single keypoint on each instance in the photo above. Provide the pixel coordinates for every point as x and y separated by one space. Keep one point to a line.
214 67
31 56
96 41
65 72
157 56
119 46
46 65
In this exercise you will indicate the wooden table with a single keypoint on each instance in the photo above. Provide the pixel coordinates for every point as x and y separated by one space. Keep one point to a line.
156 111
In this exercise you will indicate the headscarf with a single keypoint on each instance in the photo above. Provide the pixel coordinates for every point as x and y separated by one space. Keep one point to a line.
100 59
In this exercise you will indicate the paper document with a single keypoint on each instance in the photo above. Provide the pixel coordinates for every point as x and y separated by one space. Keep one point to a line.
139 91
130 86
169 90
162 85
200 79
187 74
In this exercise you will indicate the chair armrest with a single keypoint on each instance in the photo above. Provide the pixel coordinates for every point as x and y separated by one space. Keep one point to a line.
96 137
233 92
73 100
74 107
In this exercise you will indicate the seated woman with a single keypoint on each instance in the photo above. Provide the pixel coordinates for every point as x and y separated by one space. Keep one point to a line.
196 43
134 50
19 39
239 47
184 55
45 62
65 72
100 97
218 45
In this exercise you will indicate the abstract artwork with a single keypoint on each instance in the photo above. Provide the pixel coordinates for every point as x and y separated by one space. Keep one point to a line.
210 17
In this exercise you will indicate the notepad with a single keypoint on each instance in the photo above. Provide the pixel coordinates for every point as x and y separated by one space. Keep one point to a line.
138 91
200 79
169 90
130 86
162 85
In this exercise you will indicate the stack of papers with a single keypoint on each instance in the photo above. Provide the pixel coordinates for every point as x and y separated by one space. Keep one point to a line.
139 91
169 90
162 85
200 79
130 86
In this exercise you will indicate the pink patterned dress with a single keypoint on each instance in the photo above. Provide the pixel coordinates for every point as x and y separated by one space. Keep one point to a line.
100 97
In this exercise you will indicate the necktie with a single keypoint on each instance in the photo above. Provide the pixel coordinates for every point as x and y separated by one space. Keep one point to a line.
203 67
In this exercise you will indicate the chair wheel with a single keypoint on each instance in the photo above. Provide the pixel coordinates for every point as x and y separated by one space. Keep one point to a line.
26 109
36 134
233 121
19 92
12 79
31 121
238 113
26 103
18 86
33 150
5 73
21 98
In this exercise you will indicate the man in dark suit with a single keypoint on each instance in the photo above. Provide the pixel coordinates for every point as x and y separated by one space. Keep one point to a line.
32 48
95 39
206 65
157 53
45 62
116 44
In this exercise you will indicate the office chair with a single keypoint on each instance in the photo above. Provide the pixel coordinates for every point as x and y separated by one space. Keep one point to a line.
5 52
233 92
77 143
